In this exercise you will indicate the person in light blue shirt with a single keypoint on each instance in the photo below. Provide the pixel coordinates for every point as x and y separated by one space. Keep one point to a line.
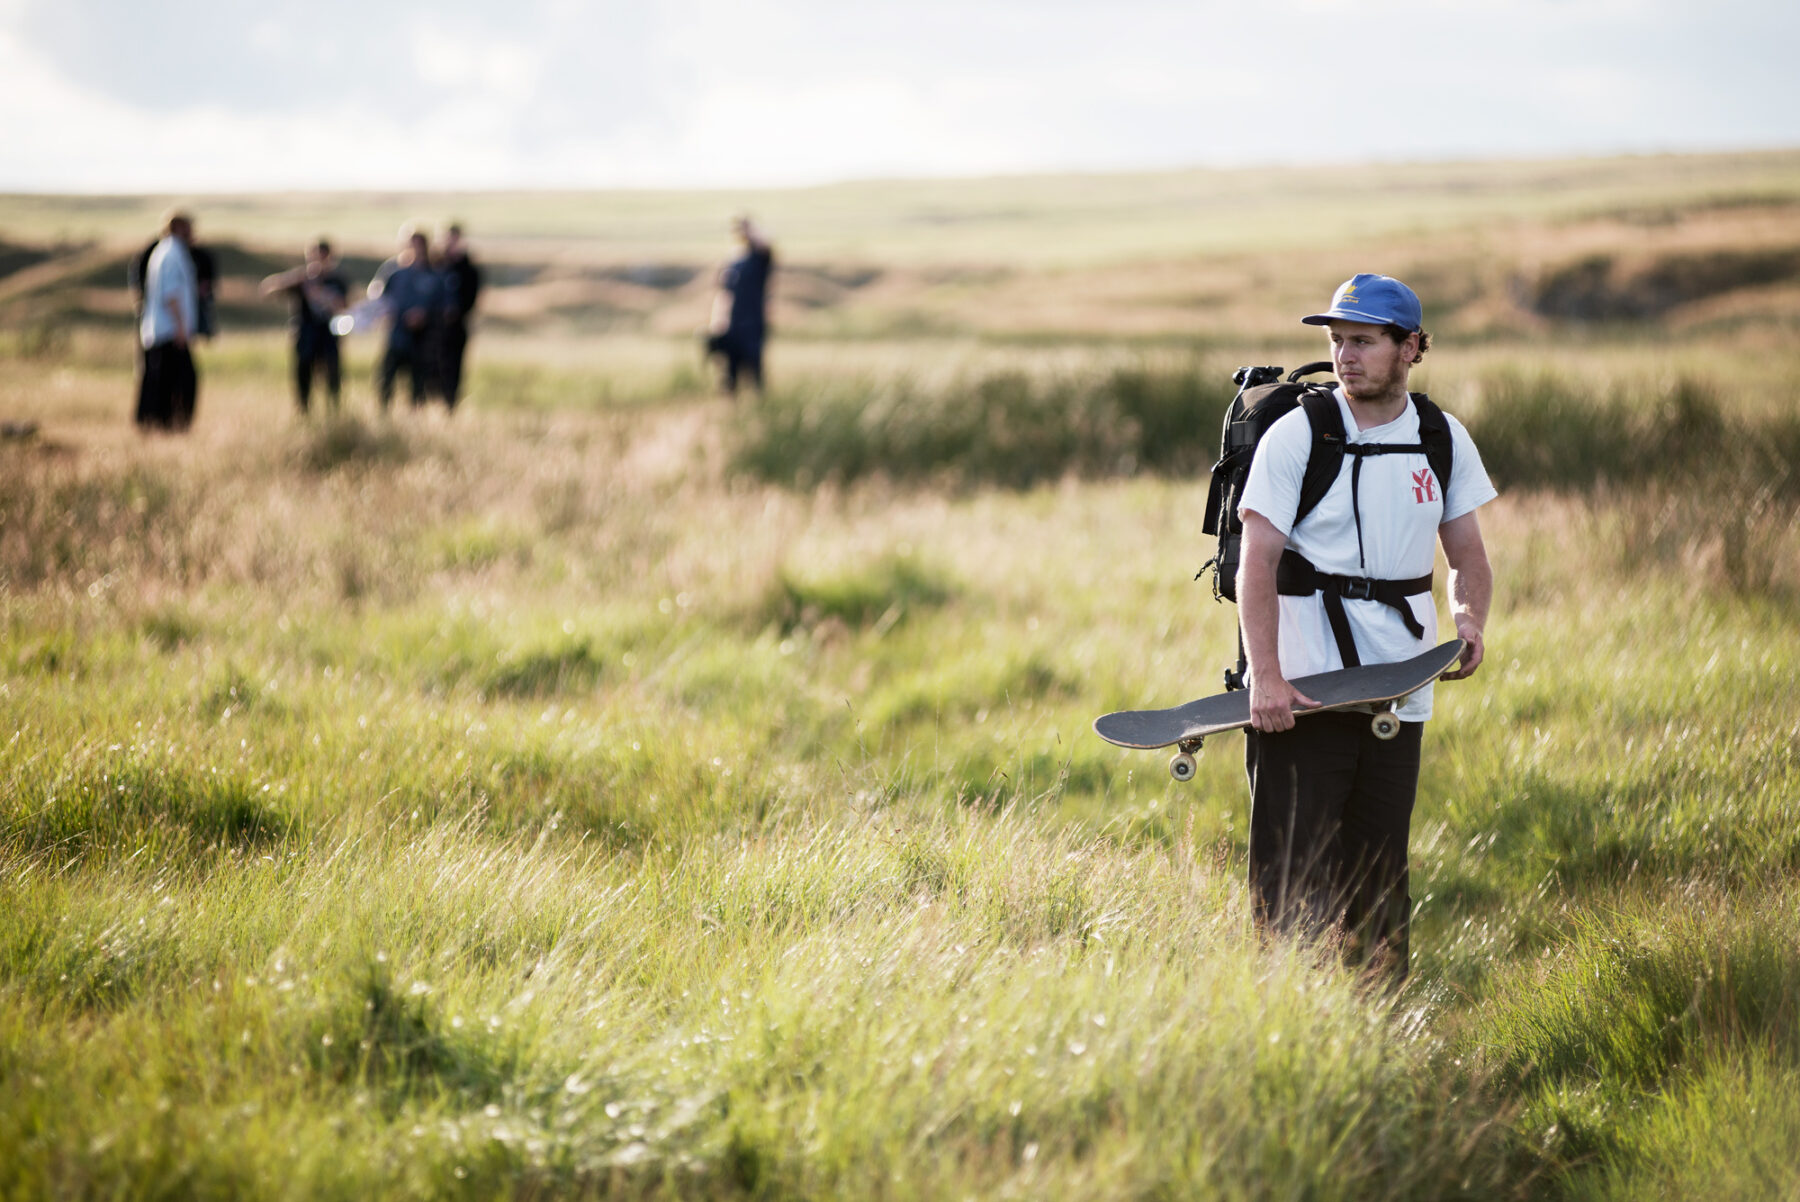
411 290
169 385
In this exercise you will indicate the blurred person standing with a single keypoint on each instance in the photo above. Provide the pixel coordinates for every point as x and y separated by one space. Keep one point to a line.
206 276
169 385
739 325
205 279
319 293
462 284
412 293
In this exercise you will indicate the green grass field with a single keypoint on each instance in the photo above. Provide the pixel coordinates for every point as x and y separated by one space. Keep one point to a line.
611 791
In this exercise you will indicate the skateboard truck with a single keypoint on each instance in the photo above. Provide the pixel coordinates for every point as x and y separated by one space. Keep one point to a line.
1181 764
1386 723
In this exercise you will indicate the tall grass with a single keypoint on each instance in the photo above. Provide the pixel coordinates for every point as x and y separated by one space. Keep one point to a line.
1692 487
527 805
1006 428
1551 431
1655 1046
858 1010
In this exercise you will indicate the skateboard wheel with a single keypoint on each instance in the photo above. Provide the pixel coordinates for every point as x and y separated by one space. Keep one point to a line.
1385 725
1181 767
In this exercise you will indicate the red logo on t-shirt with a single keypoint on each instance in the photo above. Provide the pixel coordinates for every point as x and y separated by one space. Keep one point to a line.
1424 486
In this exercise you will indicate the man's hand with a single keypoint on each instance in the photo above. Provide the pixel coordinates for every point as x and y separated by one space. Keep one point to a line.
1472 651
1273 702
1272 698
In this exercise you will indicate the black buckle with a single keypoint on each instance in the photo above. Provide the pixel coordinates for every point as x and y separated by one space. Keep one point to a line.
1358 588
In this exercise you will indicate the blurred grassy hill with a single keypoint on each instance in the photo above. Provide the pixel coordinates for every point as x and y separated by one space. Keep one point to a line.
1707 243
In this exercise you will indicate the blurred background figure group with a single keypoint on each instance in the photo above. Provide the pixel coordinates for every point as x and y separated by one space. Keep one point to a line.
170 317
422 297
320 295
427 301
740 325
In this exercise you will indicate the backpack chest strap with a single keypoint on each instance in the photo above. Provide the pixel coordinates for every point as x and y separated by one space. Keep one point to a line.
1358 451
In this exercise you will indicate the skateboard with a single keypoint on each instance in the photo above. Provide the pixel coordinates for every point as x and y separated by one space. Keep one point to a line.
1185 727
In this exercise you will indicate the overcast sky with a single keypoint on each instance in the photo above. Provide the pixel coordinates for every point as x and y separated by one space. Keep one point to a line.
189 95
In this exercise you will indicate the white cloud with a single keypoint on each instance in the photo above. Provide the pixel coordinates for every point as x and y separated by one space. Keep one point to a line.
494 93
1597 93
269 35
92 142
492 70
765 133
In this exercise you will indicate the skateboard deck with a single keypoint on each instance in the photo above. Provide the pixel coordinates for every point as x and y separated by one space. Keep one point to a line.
1184 726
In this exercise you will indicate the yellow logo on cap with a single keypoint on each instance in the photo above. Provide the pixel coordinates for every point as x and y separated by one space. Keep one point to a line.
1349 293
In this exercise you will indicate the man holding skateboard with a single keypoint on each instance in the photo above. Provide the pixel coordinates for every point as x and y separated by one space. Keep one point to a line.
1350 583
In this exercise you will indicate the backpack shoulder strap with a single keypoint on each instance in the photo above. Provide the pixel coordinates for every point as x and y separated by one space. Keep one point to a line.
1434 434
1327 457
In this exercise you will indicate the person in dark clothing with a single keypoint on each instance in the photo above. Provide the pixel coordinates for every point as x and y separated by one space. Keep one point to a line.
206 274
740 309
412 292
135 271
462 284
319 293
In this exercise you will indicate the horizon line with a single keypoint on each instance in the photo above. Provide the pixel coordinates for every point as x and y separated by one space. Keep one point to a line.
854 181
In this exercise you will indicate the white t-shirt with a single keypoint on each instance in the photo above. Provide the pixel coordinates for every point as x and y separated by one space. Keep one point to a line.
169 273
1402 508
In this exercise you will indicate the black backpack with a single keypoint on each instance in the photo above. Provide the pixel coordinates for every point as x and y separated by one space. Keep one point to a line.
1263 398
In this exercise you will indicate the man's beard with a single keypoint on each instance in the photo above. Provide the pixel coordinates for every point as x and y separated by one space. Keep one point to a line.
1372 388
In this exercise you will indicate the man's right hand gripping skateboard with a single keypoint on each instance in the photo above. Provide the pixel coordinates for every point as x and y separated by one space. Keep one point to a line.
1273 701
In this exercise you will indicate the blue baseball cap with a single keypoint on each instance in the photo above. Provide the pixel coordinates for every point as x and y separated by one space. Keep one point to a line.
1377 299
